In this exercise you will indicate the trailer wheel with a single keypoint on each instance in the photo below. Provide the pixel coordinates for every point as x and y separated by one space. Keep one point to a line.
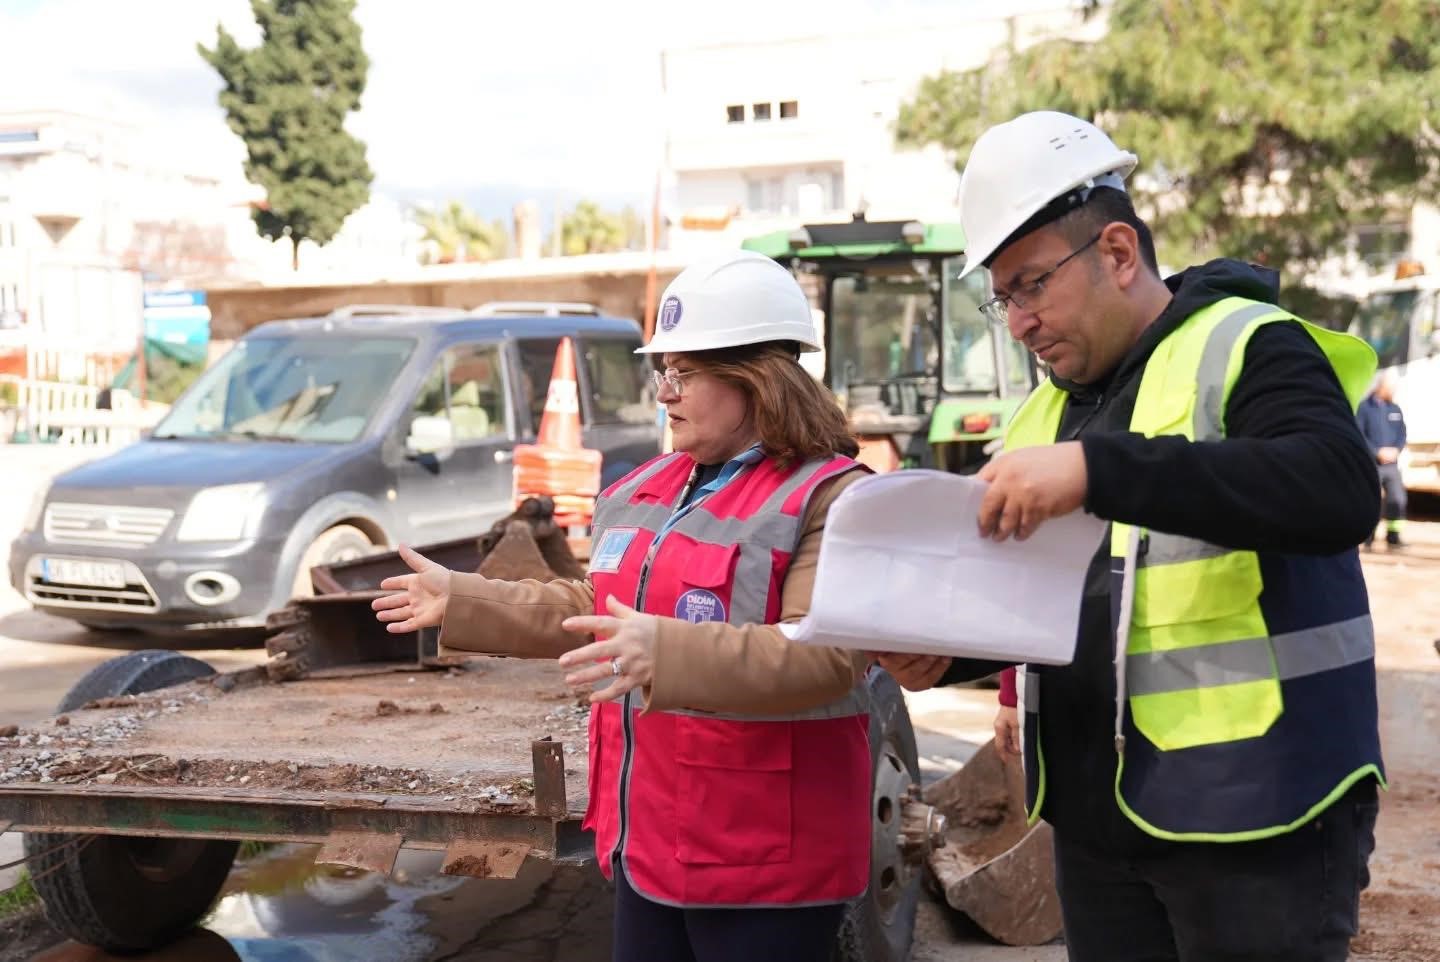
879 925
128 893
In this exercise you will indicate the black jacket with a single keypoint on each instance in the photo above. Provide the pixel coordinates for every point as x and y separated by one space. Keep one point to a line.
1293 475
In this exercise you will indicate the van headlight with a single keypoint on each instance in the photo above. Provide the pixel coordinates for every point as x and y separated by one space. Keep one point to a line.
222 513
36 510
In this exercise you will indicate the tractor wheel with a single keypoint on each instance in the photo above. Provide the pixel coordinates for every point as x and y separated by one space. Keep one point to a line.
879 925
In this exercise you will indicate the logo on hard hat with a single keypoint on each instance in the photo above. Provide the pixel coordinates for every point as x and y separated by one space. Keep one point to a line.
670 313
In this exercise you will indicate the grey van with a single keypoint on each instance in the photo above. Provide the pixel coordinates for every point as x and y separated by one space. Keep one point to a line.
316 441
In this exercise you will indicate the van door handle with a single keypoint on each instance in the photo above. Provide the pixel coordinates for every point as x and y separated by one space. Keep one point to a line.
504 457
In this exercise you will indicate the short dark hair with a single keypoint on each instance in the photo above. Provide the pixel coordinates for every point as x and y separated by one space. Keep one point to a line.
1106 205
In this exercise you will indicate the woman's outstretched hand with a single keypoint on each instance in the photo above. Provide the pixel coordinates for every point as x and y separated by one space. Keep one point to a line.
628 650
421 598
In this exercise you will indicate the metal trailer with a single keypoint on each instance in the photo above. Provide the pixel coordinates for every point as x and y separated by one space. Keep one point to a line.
135 797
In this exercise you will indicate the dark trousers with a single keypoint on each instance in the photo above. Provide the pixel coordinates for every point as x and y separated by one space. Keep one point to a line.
1292 898
647 931
1392 489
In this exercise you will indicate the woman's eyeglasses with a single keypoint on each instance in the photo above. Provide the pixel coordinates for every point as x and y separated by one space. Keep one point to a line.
671 377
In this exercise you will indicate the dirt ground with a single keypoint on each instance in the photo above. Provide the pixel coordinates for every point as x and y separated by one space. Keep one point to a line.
352 734
1400 911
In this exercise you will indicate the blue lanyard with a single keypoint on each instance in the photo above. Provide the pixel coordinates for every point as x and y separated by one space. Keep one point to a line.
751 455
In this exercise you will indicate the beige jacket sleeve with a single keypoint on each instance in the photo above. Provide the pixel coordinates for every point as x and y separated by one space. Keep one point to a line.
517 618
754 669
712 666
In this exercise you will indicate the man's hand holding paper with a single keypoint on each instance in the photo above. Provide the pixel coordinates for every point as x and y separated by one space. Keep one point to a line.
906 567
1030 486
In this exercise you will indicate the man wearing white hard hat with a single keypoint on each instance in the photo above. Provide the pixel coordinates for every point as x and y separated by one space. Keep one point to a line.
1209 761
729 769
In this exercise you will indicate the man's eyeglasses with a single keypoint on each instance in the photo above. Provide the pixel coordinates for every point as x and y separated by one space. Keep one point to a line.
997 309
671 377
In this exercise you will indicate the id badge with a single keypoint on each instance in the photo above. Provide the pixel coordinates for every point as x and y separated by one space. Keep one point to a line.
605 558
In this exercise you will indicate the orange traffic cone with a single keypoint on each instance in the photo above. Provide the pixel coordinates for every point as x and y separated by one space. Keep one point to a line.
558 464
560 422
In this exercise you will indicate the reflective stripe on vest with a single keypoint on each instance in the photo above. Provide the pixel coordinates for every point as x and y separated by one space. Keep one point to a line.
1200 667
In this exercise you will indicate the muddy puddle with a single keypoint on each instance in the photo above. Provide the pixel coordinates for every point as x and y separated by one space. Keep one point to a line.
280 906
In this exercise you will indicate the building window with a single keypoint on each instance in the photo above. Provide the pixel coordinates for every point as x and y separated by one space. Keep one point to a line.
765 194
760 111
789 109
735 114
1381 245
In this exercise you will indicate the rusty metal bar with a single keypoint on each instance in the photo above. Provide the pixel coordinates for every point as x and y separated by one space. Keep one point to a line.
181 812
484 859
373 853
549 761
366 573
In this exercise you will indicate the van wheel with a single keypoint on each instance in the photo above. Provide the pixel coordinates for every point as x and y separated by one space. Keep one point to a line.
344 542
879 925
127 893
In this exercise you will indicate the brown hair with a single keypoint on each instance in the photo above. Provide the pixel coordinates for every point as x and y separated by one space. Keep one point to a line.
796 416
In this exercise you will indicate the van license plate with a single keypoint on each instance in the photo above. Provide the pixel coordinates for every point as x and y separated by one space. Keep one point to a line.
92 574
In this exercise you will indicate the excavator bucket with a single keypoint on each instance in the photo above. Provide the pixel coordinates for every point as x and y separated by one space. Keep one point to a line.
994 867
336 632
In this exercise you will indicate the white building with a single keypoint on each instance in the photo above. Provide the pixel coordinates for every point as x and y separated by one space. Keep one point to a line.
97 203
1376 250
64 178
763 136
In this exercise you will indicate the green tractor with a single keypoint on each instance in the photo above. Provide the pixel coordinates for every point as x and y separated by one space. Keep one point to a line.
924 378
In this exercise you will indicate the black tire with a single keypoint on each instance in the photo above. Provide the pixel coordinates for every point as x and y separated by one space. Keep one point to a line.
133 673
879 925
124 893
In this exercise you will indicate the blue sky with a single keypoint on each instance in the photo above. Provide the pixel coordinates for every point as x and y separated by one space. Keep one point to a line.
463 95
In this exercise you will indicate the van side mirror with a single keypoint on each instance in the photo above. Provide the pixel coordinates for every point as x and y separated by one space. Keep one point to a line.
430 435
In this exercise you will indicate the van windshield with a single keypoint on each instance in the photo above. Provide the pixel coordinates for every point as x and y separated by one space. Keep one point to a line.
317 387
1383 321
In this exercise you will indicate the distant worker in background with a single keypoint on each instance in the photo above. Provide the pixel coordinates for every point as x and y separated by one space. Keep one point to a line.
1383 424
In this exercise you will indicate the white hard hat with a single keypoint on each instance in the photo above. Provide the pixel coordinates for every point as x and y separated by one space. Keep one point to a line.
730 299
1016 169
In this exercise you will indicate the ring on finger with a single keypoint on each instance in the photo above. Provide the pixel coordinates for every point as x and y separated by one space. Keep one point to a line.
615 668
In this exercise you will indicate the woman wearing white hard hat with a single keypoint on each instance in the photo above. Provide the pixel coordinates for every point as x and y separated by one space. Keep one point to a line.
729 769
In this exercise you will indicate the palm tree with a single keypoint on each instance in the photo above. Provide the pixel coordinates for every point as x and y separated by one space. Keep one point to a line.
459 234
589 230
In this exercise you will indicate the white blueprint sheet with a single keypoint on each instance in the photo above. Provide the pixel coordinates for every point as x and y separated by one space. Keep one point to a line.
903 568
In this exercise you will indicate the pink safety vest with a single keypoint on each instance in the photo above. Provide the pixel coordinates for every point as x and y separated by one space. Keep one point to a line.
710 810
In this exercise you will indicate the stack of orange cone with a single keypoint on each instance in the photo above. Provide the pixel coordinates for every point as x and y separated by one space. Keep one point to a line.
558 465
